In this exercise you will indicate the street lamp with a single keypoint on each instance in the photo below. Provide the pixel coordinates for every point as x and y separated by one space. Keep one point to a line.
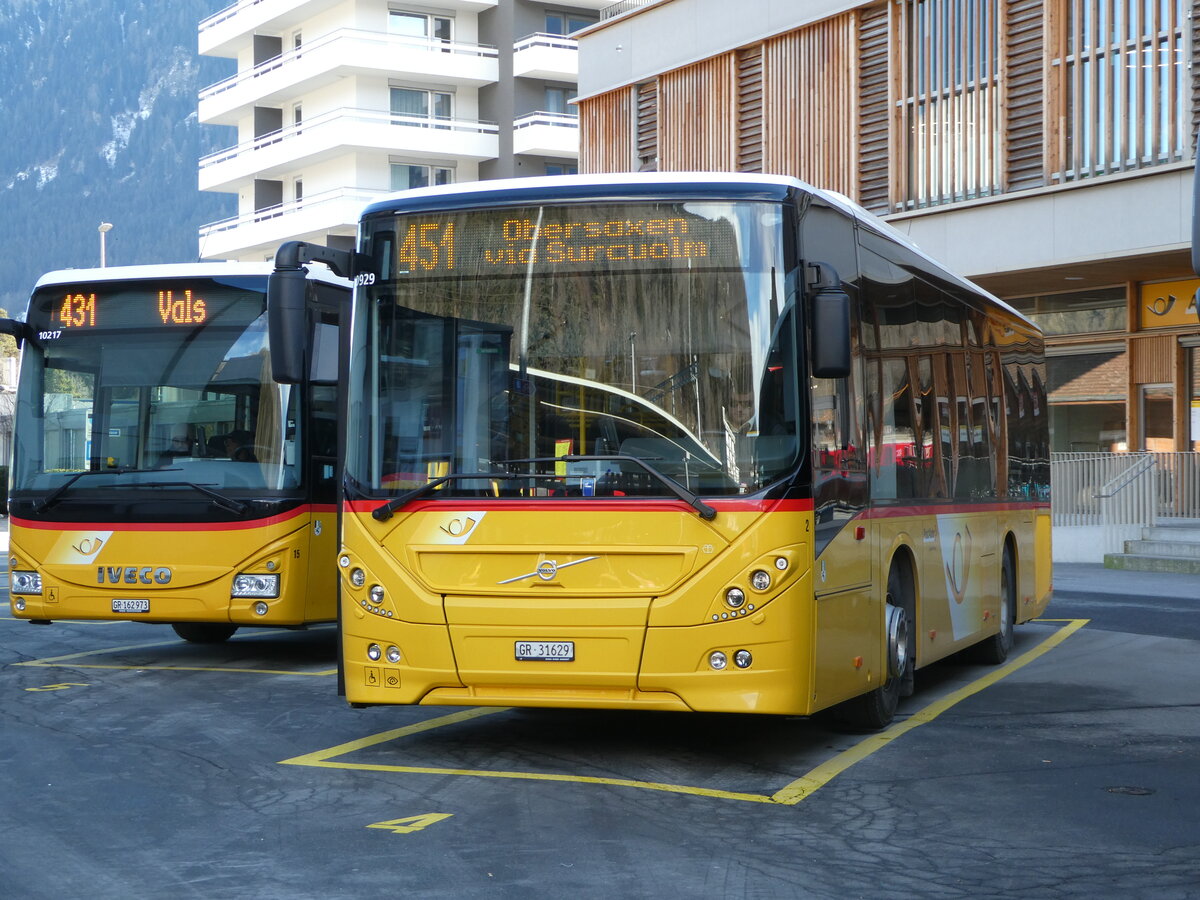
105 228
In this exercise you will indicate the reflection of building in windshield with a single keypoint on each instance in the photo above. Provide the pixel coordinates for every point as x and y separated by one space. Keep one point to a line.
604 354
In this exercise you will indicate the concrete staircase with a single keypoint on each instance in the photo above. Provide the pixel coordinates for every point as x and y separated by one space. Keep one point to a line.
1173 547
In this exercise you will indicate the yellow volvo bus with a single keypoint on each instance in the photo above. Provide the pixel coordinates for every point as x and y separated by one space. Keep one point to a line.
159 474
676 442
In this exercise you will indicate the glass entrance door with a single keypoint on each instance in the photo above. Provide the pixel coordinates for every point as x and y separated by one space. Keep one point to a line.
1158 417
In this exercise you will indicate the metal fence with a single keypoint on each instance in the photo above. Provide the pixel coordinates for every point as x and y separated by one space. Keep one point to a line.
1123 492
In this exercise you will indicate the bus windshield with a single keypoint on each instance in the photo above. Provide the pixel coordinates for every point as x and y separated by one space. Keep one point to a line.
151 385
561 350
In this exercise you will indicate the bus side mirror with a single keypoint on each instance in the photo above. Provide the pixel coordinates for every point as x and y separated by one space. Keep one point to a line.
18 329
287 323
829 315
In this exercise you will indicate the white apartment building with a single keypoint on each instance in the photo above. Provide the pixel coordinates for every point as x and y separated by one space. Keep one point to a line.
338 102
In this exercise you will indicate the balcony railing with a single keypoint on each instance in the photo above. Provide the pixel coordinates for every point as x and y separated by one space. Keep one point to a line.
391 42
541 39
342 119
333 200
610 12
558 120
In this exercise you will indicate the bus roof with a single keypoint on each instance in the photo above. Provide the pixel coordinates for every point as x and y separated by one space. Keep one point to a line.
177 270
741 184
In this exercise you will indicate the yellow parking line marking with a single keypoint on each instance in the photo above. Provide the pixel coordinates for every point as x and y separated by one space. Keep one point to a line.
807 784
66 661
790 795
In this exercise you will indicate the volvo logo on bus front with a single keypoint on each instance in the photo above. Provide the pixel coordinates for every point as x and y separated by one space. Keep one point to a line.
133 575
547 569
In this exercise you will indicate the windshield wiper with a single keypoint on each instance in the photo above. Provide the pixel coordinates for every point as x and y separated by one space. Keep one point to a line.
55 495
705 511
228 503
237 507
384 512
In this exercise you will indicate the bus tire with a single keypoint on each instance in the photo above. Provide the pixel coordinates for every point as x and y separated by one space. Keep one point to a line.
204 632
875 709
994 650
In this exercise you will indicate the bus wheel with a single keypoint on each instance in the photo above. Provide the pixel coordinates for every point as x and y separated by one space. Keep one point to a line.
876 709
204 632
994 650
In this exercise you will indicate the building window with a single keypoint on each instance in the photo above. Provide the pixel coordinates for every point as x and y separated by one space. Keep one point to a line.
413 103
1087 395
298 189
419 25
951 106
558 100
564 23
406 176
1078 313
1120 92
297 115
561 169
297 40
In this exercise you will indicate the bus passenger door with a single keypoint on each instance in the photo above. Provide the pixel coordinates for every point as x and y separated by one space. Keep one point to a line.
848 657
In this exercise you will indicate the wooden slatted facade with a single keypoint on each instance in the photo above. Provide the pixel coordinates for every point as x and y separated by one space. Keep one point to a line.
876 99
697 117
911 103
1024 113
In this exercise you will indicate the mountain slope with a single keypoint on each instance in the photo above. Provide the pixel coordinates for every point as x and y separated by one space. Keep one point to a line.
99 114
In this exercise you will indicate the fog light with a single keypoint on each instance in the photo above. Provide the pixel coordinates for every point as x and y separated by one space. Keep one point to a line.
393 654
12 562
376 594
374 653
246 585
19 603
735 597
760 579
742 659
718 660
261 608
781 563
25 583
343 560
358 577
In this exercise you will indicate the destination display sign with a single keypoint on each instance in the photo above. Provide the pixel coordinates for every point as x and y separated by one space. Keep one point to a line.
57 310
562 237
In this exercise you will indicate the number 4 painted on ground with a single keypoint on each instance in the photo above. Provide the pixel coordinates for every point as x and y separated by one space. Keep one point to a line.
412 823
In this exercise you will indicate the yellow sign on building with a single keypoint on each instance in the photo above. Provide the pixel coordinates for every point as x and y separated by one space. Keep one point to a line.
1166 304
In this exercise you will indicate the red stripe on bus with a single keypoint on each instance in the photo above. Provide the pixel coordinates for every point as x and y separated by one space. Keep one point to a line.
930 509
466 504
176 526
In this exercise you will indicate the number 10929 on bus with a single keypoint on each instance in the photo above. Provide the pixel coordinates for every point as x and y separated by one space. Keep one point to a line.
545 651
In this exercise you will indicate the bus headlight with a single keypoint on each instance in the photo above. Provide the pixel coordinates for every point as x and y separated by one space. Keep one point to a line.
374 653
718 660
393 654
25 583
376 594
760 579
735 597
245 585
358 577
